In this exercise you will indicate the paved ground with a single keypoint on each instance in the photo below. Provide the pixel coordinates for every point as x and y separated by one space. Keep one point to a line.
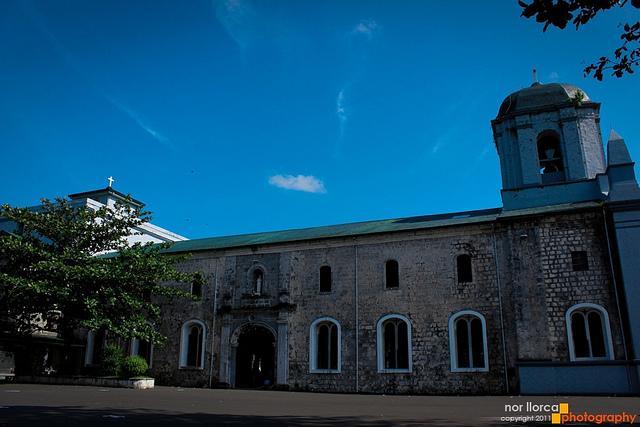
22 404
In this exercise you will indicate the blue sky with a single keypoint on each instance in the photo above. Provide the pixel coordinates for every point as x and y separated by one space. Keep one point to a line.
205 110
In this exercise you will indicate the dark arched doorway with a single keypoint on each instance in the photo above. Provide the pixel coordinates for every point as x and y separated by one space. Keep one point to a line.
255 357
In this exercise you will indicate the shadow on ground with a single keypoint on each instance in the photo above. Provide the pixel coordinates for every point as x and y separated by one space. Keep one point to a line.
79 416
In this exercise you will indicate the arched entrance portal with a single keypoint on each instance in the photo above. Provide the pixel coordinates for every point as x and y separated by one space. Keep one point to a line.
255 357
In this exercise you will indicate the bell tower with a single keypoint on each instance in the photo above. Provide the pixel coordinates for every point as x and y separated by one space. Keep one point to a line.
550 148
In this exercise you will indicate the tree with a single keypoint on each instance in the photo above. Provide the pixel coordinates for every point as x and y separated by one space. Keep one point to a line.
560 12
74 262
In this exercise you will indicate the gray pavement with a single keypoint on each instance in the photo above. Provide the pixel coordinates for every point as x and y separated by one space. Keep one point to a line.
31 404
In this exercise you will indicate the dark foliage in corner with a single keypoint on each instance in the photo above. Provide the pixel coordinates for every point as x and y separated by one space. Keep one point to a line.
559 13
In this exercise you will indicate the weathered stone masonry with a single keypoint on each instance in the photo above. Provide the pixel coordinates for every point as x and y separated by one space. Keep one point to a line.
538 286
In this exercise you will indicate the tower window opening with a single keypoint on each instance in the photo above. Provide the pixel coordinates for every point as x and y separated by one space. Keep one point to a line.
550 158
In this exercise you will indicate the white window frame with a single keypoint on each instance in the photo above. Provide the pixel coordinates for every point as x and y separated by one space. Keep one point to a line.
607 331
184 343
134 350
380 345
453 347
313 346
90 349
134 347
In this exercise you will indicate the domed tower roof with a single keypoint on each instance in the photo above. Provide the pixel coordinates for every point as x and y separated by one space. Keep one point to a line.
541 96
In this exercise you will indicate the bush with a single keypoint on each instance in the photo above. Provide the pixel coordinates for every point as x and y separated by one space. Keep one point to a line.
112 360
134 366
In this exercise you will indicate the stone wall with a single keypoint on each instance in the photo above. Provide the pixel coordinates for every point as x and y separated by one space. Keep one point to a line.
428 295
311 304
166 357
565 287
535 287
540 284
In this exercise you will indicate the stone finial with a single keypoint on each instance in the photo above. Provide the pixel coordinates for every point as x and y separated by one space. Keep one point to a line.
613 135
617 152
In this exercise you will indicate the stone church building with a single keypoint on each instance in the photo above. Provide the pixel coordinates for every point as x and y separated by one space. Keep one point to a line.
534 297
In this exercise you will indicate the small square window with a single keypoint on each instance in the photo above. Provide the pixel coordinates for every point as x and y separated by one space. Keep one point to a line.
579 261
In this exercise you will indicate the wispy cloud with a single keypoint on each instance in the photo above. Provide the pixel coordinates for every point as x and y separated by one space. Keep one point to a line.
306 183
357 41
443 139
440 142
341 110
237 17
90 80
479 160
451 134
485 151
141 123
554 76
367 28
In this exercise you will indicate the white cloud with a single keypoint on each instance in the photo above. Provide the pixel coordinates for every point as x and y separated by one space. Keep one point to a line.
367 28
306 183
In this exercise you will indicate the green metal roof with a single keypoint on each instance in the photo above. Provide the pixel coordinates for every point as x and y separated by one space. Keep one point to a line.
364 228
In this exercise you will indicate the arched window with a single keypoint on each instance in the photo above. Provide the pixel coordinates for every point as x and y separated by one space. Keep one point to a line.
94 346
325 354
325 278
589 333
550 157
468 342
463 267
392 279
394 344
192 344
257 281
142 348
